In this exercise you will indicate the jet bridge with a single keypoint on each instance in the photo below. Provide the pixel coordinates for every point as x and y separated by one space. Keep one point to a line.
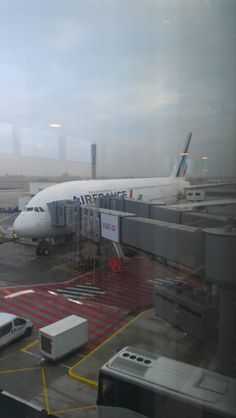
159 231
154 229
65 213
209 249
179 244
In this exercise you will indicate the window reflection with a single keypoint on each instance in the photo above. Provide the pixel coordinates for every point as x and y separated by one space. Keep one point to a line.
110 90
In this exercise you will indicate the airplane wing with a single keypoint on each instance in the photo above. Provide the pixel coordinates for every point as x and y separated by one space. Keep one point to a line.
205 203
209 185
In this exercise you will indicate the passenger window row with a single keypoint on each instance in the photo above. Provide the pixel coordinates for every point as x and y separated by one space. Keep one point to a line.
40 209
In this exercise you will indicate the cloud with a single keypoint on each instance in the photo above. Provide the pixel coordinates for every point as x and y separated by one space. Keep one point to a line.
136 73
146 102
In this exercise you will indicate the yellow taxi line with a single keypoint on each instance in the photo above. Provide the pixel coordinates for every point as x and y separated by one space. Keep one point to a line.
91 382
81 408
43 378
70 371
19 370
4 358
26 347
45 392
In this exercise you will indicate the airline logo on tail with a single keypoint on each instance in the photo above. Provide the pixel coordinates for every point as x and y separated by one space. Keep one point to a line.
181 168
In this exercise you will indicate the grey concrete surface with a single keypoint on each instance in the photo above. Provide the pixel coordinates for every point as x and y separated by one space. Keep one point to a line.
21 372
19 266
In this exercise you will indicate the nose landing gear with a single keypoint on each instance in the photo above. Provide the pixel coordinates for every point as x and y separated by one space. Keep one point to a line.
43 249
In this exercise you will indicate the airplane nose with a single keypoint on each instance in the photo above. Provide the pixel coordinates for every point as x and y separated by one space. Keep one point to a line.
17 226
22 228
27 226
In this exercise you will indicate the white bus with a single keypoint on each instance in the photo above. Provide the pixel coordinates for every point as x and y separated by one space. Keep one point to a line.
135 383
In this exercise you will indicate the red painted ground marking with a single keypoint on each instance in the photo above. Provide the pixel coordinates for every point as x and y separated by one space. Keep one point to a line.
28 302
71 307
129 283
25 311
94 311
126 291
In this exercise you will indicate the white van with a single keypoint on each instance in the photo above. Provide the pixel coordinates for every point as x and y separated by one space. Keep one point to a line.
13 327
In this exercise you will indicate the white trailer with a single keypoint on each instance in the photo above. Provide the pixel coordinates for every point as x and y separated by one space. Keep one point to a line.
62 337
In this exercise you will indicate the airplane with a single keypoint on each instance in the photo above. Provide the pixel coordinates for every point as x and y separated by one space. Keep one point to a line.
34 221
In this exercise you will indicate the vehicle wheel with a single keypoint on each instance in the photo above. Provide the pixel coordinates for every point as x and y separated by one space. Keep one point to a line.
28 332
46 252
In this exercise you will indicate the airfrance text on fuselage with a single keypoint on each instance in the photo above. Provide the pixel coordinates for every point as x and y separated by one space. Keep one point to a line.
90 198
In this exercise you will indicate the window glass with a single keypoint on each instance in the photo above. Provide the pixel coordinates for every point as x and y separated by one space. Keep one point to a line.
126 106
6 140
40 144
19 321
5 329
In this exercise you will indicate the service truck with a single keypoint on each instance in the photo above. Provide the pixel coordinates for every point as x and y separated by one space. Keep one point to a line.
62 337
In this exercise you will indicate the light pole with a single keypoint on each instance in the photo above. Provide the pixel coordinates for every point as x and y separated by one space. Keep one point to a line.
61 140
204 165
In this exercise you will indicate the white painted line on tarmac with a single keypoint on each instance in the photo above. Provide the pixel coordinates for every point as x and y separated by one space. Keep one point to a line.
22 292
32 354
10 395
75 301
9 216
52 293
43 359
64 365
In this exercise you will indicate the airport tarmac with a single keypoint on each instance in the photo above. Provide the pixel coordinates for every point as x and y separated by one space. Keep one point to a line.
19 265
119 307
58 387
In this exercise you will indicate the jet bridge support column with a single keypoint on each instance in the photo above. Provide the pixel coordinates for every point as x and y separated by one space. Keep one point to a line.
94 160
220 245
227 299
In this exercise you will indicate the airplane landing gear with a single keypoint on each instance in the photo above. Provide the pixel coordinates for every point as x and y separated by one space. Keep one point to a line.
43 249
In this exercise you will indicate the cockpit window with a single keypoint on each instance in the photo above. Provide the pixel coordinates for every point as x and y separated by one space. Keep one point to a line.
36 209
41 209
29 209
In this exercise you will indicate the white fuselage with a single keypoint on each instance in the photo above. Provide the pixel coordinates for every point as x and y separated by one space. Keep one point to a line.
35 222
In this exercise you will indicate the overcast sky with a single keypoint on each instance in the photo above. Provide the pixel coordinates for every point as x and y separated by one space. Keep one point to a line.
133 76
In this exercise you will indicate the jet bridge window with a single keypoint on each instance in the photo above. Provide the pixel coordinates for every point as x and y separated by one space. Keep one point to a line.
29 209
